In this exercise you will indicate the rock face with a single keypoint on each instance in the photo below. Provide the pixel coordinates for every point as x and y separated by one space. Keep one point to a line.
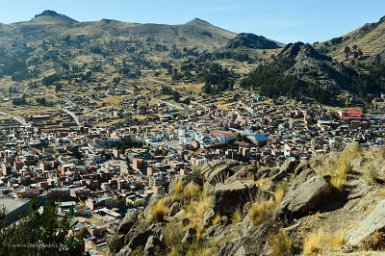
116 242
218 172
128 221
139 235
288 167
252 243
372 223
229 197
185 180
153 246
304 198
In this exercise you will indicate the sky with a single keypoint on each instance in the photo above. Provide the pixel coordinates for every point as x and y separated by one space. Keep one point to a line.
282 20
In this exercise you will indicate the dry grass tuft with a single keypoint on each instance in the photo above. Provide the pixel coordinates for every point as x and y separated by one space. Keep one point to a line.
339 168
337 240
313 242
319 240
280 244
260 211
191 191
178 187
279 194
216 220
237 216
159 211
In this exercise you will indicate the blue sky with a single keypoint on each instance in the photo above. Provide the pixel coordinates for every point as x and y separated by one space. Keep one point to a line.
282 20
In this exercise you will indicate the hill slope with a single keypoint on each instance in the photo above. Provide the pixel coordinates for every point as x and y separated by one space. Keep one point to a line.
247 40
367 41
299 70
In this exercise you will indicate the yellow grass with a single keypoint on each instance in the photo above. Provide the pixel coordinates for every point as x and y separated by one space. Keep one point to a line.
337 240
178 187
237 216
313 242
159 211
279 193
280 243
260 211
339 168
192 190
216 220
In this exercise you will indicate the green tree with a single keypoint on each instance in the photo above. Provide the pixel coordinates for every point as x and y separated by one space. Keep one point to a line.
39 233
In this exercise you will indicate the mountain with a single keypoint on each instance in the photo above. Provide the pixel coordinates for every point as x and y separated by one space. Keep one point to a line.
248 40
363 43
52 43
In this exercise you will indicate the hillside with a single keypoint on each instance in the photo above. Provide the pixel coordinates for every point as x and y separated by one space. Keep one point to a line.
299 208
299 70
365 42
247 40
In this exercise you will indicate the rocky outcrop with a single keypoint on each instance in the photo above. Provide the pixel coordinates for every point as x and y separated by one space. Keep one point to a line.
229 197
128 221
304 198
254 242
287 168
218 172
144 235
372 223
154 246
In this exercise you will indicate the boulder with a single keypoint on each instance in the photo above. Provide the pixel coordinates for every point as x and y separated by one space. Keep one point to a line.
128 221
287 168
371 223
304 198
116 242
126 250
254 242
153 246
139 234
175 208
229 197
218 172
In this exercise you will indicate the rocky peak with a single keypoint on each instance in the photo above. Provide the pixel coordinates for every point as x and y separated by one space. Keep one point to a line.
299 49
199 21
48 13
52 15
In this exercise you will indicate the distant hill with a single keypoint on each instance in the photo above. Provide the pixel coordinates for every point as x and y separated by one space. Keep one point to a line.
366 43
248 40
53 43
299 70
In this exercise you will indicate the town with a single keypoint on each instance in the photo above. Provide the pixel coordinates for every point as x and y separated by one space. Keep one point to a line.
104 171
